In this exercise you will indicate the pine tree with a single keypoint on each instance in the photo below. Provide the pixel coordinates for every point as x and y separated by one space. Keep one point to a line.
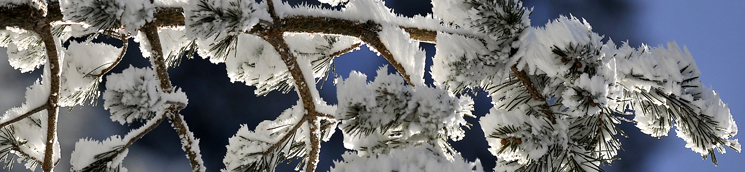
559 90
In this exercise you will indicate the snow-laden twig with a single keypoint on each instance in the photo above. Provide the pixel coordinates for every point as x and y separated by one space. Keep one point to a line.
275 37
286 136
27 114
534 93
119 59
45 33
189 143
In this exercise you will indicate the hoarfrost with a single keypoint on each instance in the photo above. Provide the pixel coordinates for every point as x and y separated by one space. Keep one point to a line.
386 108
413 159
405 51
132 95
84 64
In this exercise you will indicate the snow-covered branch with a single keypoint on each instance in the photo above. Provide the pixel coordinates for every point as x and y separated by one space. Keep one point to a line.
558 91
534 93
188 142
45 33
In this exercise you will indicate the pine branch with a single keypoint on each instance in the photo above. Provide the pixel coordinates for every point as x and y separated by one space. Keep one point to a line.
157 60
286 136
17 149
187 140
27 114
534 93
345 51
275 37
306 24
119 59
43 28
370 36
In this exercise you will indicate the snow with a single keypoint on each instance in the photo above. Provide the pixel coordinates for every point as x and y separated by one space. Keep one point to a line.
171 3
82 64
462 63
173 40
318 48
411 159
562 33
204 23
136 13
405 51
257 64
531 130
132 14
86 151
246 147
333 3
25 50
452 11
372 113
132 95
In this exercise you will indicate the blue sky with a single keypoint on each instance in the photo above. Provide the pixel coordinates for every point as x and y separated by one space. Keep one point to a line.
713 34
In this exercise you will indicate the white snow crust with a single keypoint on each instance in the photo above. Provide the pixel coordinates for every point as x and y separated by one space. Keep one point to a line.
82 65
417 113
423 158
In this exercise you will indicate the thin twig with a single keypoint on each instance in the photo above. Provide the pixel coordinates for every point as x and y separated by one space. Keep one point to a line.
20 151
374 41
119 59
286 136
326 116
27 114
187 140
534 93
149 126
345 51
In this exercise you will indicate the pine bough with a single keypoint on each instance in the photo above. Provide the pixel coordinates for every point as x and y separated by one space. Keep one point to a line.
558 90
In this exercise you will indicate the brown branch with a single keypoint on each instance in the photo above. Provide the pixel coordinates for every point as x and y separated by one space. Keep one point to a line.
27 114
326 116
274 35
178 124
43 28
423 35
119 59
345 51
23 16
374 41
534 93
151 32
286 136
168 16
276 39
148 128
